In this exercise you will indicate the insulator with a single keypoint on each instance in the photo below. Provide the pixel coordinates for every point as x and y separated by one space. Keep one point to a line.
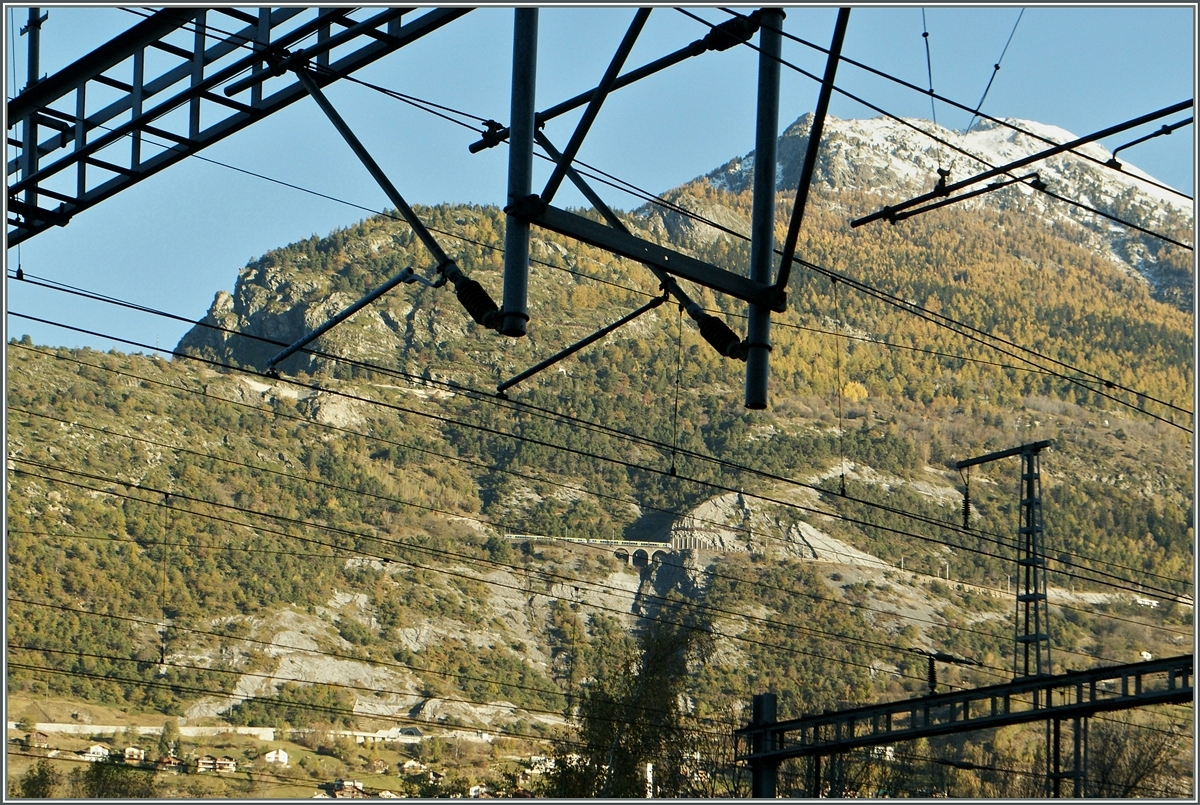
932 676
477 302
732 32
966 509
724 340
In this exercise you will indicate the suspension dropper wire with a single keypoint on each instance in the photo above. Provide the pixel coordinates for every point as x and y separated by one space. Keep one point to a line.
928 65
996 69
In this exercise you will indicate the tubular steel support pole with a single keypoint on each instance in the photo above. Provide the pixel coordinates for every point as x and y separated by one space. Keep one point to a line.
762 225
34 29
1077 764
763 774
1081 792
515 305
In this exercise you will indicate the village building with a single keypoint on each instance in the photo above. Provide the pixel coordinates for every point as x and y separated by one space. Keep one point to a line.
348 789
95 753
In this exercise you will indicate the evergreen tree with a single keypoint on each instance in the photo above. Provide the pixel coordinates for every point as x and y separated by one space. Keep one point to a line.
40 781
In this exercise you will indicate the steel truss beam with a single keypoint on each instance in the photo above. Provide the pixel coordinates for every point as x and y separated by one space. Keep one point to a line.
1078 694
110 140
661 257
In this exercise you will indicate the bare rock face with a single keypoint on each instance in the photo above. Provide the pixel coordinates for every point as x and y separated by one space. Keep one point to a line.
732 522
273 305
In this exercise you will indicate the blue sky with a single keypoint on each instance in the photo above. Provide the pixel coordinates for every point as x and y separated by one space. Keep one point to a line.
174 240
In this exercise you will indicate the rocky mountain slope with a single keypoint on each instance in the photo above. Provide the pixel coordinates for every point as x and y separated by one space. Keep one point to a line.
373 538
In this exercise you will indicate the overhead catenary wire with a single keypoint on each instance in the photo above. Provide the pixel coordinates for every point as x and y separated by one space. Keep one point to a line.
682 210
249 43
114 539
484 395
706 572
298 522
631 465
337 487
652 470
1108 384
1116 581
561 417
995 70
487 397
902 121
928 65
1008 124
901 304
325 484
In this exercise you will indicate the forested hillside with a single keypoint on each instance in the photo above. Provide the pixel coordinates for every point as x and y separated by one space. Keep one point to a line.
334 548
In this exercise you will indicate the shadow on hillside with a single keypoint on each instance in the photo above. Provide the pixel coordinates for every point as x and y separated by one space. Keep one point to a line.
650 527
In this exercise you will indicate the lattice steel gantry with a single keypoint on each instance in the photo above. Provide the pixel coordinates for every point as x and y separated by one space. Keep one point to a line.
228 68
1031 626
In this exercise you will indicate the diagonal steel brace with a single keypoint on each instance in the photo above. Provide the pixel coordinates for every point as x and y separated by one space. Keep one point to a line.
714 330
468 291
578 345
597 100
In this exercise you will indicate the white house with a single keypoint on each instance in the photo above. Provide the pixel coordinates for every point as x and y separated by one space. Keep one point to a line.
279 756
94 753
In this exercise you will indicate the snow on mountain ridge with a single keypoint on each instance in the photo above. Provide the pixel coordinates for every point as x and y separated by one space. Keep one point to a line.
911 159
899 159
